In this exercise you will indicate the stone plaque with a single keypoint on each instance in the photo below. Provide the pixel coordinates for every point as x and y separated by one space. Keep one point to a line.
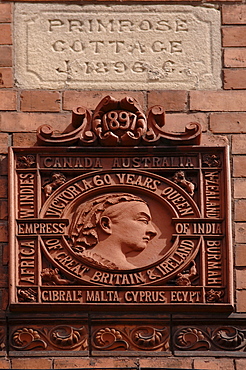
116 213
112 47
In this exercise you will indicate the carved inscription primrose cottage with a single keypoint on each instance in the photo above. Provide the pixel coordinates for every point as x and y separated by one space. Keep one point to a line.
111 46
118 211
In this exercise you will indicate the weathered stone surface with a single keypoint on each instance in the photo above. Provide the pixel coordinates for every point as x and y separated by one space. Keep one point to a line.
117 47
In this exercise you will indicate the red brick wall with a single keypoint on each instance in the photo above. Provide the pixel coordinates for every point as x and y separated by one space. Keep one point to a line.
221 112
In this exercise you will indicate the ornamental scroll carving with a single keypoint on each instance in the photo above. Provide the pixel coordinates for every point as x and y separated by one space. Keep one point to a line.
130 336
63 337
224 338
119 123
145 338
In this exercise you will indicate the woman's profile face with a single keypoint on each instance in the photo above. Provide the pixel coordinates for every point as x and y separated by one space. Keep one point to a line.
132 226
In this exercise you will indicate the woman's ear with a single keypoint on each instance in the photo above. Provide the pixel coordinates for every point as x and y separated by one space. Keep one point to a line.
105 224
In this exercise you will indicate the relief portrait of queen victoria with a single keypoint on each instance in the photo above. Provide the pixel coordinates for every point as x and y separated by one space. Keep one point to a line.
107 229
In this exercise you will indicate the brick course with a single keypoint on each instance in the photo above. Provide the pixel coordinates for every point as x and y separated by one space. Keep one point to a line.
5 364
94 363
225 101
170 100
213 364
240 255
175 363
227 123
235 79
8 100
240 232
177 121
3 210
29 122
239 168
5 56
235 57
5 34
3 233
31 363
24 139
238 144
240 363
241 301
6 77
5 12
234 36
40 101
3 187
240 188
241 279
240 210
4 143
89 99
234 14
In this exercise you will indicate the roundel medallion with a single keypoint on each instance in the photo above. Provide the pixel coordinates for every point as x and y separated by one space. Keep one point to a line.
121 228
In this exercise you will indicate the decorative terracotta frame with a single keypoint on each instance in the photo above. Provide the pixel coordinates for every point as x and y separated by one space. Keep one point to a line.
60 196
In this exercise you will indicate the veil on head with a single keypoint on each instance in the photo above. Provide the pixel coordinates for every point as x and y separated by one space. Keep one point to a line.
87 216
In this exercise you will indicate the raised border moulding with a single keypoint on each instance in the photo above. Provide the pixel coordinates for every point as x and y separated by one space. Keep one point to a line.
120 213
117 46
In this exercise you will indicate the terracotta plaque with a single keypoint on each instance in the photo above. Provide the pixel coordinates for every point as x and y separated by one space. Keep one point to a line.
108 47
107 222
